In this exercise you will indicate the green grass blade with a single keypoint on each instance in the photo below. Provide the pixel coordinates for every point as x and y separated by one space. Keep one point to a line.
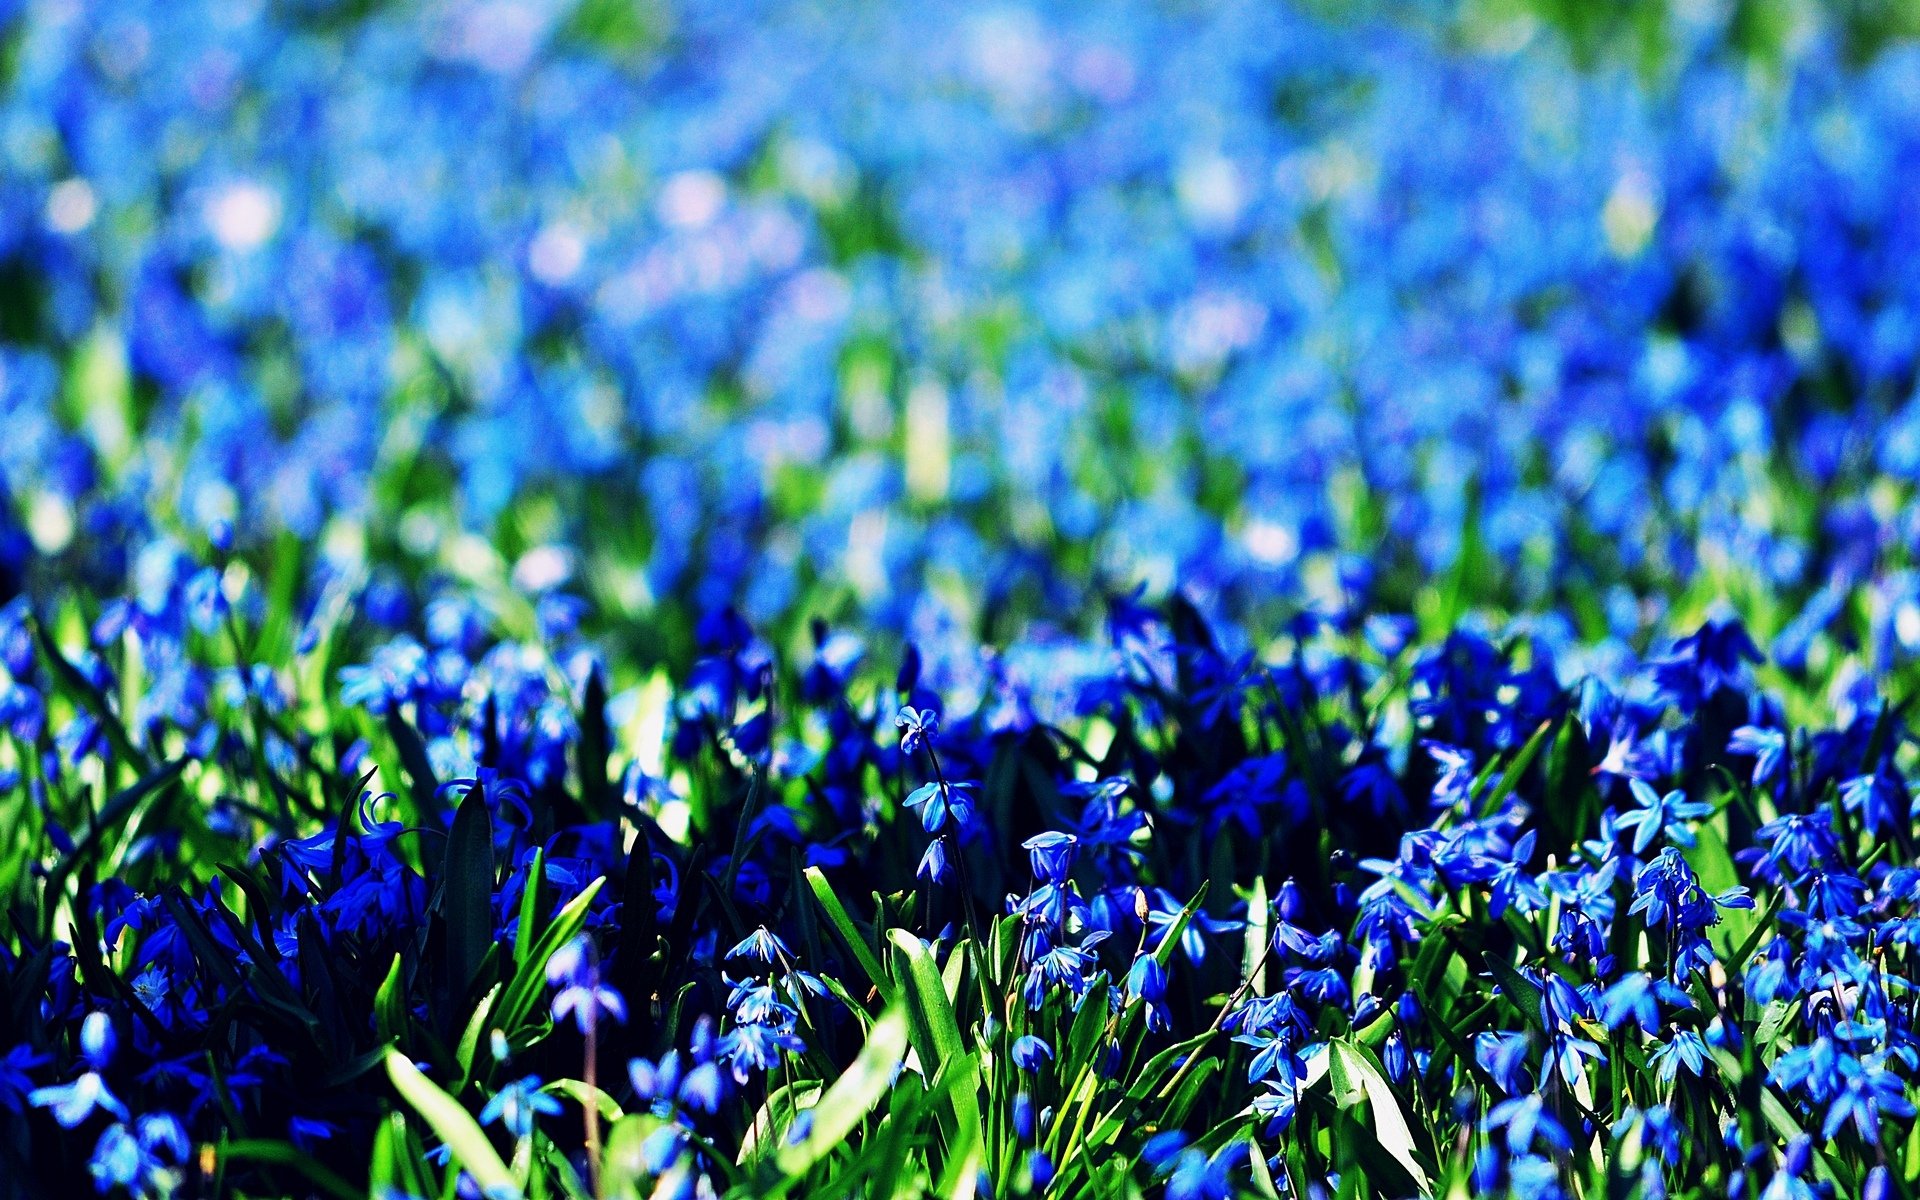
842 922
846 1104
453 1124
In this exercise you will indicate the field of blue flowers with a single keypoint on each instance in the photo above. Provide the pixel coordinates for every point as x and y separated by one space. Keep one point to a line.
681 599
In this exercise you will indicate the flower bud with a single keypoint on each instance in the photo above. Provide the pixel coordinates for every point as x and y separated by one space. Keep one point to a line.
97 1040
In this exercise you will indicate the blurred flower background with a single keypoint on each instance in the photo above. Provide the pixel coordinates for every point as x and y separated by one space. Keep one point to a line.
1394 524
948 318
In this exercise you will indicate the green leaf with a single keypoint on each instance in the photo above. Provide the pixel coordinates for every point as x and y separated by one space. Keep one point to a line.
1518 991
470 1038
623 1164
117 815
637 965
1778 1116
584 1094
936 1031
1348 1088
397 1160
1149 1077
530 980
1164 1064
214 958
843 924
345 823
596 793
956 973
776 1114
1355 1073
261 906
1083 1037
390 1005
452 1124
960 1176
466 897
926 994
1181 1103
413 757
1773 1021
853 1095
1262 1176
524 941
840 993
1510 778
284 1155
354 1068
93 700
1458 591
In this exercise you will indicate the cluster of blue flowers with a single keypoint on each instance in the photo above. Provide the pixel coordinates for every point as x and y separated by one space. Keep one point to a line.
1336 910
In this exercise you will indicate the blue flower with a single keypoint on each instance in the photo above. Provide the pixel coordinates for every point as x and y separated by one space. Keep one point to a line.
582 995
516 1105
72 1103
162 1136
1684 1048
762 946
1797 841
1277 1104
1147 981
1051 855
1659 814
1667 888
1767 747
1023 1116
1275 1056
1875 798
1452 788
206 603
1709 659
119 1161
756 1048
1160 1150
1513 886
1637 996
307 1132
586 1004
917 728
936 800
1195 1176
1249 793
150 987
1814 1068
1525 1118
1040 1167
933 864
1564 1055
398 670
15 1083
1867 1092
1375 784
1031 1053
1503 1056
1164 910
695 1084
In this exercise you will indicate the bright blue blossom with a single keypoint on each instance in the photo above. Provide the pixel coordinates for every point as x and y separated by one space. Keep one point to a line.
939 799
516 1105
1030 1053
1661 814
72 1103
